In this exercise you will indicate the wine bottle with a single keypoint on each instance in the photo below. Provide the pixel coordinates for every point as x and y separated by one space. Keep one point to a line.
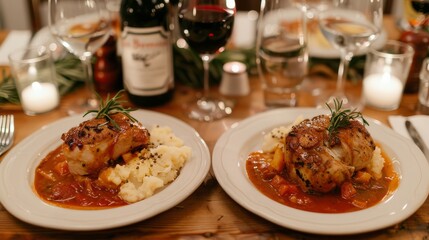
147 59
418 37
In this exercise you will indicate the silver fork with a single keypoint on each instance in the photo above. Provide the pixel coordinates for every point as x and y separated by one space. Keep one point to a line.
7 130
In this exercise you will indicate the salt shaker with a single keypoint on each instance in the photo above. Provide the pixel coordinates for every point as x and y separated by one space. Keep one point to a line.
235 81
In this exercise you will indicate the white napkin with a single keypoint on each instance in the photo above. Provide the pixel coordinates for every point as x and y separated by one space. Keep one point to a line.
420 122
15 40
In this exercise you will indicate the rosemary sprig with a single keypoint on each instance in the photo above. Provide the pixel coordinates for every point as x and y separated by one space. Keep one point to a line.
340 118
8 92
110 106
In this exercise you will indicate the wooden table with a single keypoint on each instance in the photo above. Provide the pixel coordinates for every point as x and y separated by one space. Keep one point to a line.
209 212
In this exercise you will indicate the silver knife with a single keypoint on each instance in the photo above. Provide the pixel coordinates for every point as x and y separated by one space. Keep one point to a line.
417 138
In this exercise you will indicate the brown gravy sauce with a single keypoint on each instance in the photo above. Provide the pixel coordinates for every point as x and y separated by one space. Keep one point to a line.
56 185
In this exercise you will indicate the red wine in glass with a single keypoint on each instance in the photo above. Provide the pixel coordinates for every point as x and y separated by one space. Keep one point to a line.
208 29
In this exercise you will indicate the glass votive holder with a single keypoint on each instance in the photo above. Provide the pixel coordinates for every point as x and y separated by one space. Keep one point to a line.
235 81
34 73
386 71
423 104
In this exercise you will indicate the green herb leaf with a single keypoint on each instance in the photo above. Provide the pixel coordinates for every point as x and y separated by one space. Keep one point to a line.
340 118
111 106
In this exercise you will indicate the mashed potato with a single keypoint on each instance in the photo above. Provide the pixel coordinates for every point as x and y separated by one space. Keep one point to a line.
377 164
153 168
276 137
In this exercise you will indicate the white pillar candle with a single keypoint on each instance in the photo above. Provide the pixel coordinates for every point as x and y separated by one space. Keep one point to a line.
39 97
382 90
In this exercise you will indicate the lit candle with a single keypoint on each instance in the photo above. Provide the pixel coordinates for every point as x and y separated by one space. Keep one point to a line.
382 90
40 97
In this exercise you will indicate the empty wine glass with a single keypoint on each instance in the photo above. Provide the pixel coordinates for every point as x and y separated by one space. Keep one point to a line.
206 25
81 26
351 27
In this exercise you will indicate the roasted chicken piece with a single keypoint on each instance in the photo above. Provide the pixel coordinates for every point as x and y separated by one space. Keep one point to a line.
96 143
320 162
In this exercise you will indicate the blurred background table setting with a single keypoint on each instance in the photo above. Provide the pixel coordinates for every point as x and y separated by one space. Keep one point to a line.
239 76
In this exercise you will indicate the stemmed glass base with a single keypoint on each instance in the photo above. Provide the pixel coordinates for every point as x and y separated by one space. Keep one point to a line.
89 102
208 109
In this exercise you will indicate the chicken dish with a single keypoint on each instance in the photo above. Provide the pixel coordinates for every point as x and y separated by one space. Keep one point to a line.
94 144
110 160
320 163
328 163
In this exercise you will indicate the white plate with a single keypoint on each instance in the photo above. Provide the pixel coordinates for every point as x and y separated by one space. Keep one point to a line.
18 167
233 147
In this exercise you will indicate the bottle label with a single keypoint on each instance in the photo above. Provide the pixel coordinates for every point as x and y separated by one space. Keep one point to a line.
147 60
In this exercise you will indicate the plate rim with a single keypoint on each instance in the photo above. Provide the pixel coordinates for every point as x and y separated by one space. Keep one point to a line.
73 219
253 200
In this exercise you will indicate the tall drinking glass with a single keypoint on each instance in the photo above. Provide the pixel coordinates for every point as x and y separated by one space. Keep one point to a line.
206 25
81 26
350 26
281 52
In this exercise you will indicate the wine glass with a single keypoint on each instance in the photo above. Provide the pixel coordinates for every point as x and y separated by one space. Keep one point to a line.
351 27
206 25
81 26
